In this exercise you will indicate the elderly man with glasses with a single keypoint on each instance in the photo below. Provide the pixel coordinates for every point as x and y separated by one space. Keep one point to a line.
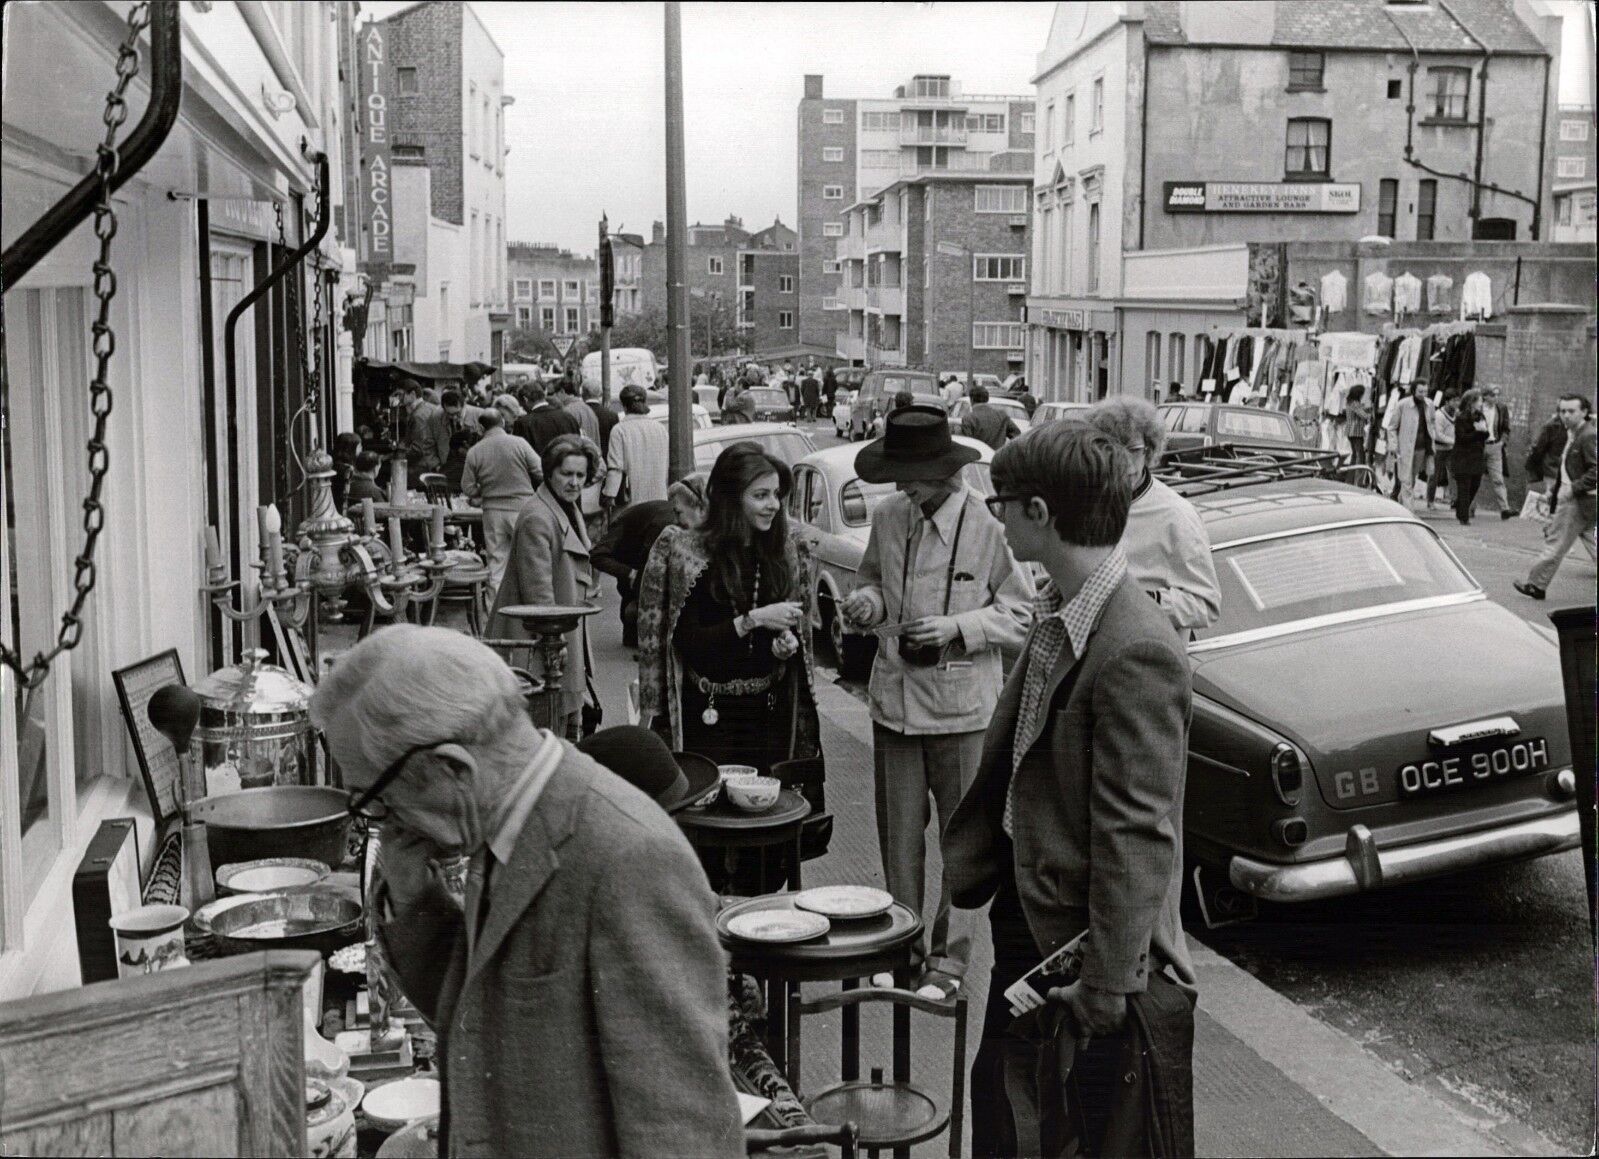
1167 549
578 993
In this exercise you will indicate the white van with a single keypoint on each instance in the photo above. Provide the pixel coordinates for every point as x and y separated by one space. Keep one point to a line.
630 366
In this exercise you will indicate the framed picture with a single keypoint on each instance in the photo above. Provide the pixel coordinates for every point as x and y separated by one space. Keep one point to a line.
158 761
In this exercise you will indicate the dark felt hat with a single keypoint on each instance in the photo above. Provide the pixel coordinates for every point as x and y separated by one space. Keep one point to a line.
674 780
916 447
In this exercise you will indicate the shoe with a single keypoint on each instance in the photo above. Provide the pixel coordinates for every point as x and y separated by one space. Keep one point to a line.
883 981
1507 515
938 986
1531 591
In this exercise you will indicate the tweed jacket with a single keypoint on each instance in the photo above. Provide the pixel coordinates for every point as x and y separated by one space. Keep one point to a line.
592 1018
549 564
1098 816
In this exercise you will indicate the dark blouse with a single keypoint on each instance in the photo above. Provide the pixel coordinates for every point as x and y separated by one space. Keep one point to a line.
710 644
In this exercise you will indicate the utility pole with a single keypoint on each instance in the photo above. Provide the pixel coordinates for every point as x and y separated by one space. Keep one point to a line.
678 422
607 289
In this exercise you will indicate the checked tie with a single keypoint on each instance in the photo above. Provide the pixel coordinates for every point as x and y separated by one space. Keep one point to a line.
1043 650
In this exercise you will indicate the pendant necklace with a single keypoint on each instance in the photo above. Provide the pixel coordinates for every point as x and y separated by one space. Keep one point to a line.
710 716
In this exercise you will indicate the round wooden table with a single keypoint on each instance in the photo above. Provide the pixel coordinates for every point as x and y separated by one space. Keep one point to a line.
722 826
849 951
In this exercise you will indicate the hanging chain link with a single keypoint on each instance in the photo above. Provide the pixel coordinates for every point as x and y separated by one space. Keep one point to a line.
33 673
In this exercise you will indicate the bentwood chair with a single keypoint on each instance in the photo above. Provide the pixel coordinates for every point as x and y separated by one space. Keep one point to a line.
436 487
892 1113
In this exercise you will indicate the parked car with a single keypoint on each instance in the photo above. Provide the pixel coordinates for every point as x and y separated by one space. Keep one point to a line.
1049 412
630 366
1205 424
705 396
1364 715
877 393
834 507
771 404
961 407
782 441
701 419
843 401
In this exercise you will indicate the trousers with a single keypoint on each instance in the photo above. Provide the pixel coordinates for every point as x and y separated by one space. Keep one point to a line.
1569 524
909 769
498 529
1494 458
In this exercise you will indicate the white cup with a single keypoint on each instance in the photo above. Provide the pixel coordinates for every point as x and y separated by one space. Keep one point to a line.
149 938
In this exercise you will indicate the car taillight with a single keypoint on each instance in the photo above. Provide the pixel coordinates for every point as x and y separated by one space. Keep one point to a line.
1287 777
1291 831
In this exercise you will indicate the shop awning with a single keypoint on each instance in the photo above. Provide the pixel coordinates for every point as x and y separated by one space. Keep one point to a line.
371 374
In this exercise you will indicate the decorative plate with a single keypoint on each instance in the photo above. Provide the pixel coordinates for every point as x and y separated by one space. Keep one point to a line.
844 902
778 926
270 874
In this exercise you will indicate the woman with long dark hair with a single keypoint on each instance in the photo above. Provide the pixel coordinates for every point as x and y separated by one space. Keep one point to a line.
1469 457
725 663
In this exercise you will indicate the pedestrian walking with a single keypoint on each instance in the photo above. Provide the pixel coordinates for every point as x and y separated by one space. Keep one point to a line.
1074 825
549 564
500 476
1470 453
1497 450
1408 425
637 463
625 547
584 951
427 436
1166 545
544 421
810 397
571 399
604 416
829 390
1442 419
725 660
1576 504
936 564
1357 417
987 422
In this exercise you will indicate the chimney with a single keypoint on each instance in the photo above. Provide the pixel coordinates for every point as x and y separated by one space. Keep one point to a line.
813 87
657 234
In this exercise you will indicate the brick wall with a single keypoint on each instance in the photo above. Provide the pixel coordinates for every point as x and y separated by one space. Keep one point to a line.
428 39
768 270
817 326
947 311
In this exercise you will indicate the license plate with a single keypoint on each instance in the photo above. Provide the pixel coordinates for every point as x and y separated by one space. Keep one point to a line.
1480 766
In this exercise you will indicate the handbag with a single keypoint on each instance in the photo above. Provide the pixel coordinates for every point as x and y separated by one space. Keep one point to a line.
593 711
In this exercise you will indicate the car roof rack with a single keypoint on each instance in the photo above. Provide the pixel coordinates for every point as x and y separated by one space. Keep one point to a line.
1204 470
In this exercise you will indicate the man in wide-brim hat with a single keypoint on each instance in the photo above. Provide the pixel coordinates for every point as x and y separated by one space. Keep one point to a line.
941 584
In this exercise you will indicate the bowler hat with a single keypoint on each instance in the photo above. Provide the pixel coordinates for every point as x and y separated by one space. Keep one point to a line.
674 780
916 447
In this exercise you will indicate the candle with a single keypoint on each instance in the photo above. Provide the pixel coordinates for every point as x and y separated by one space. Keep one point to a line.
436 536
213 549
369 517
274 549
396 548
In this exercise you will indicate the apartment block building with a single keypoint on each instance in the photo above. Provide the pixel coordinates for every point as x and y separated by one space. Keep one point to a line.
768 291
934 271
553 289
852 148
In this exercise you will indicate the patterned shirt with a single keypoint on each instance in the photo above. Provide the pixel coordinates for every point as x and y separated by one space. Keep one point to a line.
1057 624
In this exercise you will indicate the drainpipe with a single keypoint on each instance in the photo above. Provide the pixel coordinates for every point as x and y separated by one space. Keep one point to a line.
1543 145
166 89
1482 109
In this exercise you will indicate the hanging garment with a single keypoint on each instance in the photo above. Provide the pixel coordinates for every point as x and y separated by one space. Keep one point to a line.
1476 296
1406 364
1310 384
1350 348
1334 292
1230 362
1407 294
1439 289
1379 293
1246 355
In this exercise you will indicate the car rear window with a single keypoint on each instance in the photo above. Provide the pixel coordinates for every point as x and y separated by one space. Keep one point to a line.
1319 573
858 500
1254 425
772 398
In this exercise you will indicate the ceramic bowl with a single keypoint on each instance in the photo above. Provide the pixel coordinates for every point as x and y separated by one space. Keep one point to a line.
392 1105
737 772
753 795
270 875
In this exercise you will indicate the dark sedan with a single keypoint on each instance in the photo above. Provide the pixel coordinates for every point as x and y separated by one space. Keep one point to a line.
1206 424
771 405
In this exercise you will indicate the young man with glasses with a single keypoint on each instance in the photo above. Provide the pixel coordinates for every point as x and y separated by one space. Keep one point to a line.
580 993
1074 824
937 569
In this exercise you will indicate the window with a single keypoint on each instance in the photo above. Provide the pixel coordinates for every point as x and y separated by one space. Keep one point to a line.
444 351
832 193
931 86
1025 123
1426 209
1093 246
524 288
547 318
1565 210
1068 123
927 203
880 121
1396 88
407 81
1573 129
1309 152
997 335
831 267
472 119
1049 127
1098 111
880 159
832 229
832 304
785 319
713 267
832 116
570 289
546 289
570 318
1177 349
832 153
985 123
1451 92
1387 206
1304 70
524 315
473 260
1001 199
785 283
999 267
1571 166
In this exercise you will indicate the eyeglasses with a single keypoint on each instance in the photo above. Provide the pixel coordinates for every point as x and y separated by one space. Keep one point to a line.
996 503
367 806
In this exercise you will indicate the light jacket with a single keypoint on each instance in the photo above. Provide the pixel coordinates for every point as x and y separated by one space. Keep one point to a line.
1168 553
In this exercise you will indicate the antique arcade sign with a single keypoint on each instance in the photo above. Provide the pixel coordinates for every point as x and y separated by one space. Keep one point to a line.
376 156
1262 197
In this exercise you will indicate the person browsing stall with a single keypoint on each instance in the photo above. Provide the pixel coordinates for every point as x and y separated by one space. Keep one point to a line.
937 566
625 547
638 459
578 990
501 474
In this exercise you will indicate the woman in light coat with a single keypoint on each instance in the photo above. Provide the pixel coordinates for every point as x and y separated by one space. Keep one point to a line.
1443 445
1408 427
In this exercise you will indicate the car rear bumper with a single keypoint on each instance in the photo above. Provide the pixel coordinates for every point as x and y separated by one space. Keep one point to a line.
1363 866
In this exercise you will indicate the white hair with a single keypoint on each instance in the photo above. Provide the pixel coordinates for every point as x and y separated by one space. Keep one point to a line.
406 686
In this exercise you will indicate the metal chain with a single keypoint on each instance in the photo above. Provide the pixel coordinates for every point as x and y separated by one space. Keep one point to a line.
33 673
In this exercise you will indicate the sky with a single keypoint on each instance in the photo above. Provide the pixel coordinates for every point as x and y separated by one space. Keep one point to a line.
587 131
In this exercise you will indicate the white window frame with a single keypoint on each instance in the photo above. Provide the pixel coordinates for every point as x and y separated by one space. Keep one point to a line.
832 229
547 319
832 116
785 283
524 315
1569 167
1573 129
547 290
982 262
1097 111
832 266
832 193
471 119
714 266
571 288
832 153
785 319
1068 123
1016 194
571 319
1028 122
1004 334
524 289
880 120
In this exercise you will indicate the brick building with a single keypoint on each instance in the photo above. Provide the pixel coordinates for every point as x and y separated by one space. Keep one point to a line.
553 289
850 149
768 290
934 271
627 257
